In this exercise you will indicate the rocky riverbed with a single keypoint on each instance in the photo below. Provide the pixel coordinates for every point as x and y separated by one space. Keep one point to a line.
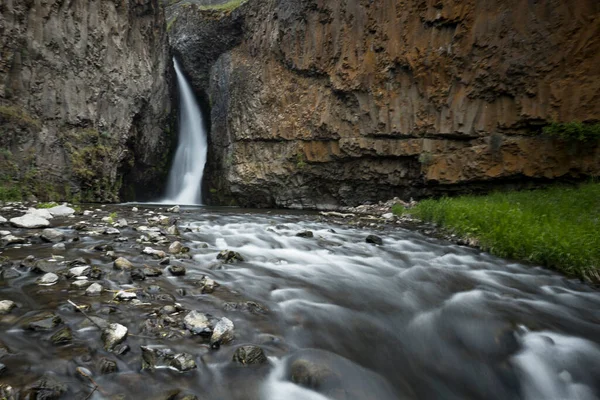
157 302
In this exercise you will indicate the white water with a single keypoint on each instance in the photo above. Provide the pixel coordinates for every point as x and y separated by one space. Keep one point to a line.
185 178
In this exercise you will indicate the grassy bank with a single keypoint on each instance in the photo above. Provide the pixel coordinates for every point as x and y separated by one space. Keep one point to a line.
557 227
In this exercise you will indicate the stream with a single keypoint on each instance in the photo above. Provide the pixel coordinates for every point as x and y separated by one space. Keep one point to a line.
336 317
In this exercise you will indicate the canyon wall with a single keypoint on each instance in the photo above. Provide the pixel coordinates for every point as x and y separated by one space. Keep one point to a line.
318 103
85 108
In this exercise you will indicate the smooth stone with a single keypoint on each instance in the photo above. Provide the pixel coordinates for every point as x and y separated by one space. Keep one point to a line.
197 323
48 279
94 289
388 216
30 221
61 211
173 230
175 247
137 274
81 283
12 239
7 306
177 270
122 223
2 219
40 212
125 296
222 333
43 322
174 209
373 239
151 271
122 264
113 335
134 209
112 231
249 355
154 253
52 235
79 271
59 246
4 233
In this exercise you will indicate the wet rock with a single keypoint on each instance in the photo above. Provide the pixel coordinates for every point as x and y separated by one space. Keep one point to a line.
122 223
30 221
173 230
62 336
52 235
7 392
175 247
121 349
137 274
222 333
305 234
96 273
174 209
198 323
59 246
177 270
229 256
44 266
2 371
81 283
249 355
48 279
4 233
112 231
107 366
2 219
103 247
168 309
154 253
42 213
310 374
83 373
113 335
79 271
388 216
6 306
61 211
165 261
153 357
122 264
373 239
151 271
9 274
134 209
95 289
12 240
125 296
43 322
249 306
46 388
208 285
95 322
183 362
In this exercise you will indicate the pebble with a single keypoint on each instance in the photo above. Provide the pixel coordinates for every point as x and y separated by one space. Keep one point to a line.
94 289
7 306
48 279
122 264
177 270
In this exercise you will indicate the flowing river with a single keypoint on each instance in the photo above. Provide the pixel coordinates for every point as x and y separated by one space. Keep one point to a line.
337 317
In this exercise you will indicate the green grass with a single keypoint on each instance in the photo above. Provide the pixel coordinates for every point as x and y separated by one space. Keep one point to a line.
10 193
47 205
557 227
229 6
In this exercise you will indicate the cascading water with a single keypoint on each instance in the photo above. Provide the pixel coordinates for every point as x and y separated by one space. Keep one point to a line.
185 177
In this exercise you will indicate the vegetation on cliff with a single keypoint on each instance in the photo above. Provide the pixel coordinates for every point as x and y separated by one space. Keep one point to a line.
574 131
556 227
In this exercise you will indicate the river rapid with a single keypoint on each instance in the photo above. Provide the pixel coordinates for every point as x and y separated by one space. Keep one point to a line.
336 317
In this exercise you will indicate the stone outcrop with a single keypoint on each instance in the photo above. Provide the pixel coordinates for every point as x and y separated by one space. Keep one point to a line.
318 103
85 108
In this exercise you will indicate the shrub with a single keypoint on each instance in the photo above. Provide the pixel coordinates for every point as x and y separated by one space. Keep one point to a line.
573 131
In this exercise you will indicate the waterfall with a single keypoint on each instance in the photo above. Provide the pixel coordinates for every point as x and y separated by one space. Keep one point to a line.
185 178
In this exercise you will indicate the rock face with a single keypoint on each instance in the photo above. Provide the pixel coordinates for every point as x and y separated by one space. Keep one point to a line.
84 98
318 104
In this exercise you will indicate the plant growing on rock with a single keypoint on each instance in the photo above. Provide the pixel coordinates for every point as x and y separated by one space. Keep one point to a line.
573 131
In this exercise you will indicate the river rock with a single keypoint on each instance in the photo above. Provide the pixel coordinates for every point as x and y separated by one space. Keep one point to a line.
154 253
125 296
46 388
249 355
48 279
52 235
59 246
81 283
183 362
151 271
177 270
137 274
134 209
197 323
208 284
173 230
43 321
373 239
305 234
388 216
175 247
174 209
4 233
122 264
94 289
7 306
61 211
41 212
79 271
12 239
30 221
62 336
113 335
107 366
229 256
222 333
2 219
112 231
122 223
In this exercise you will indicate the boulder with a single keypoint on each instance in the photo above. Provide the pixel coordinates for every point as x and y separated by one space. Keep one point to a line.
222 333
30 221
249 355
373 239
113 335
61 211
198 323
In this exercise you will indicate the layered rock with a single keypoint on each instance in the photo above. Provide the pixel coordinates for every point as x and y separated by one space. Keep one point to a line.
85 108
335 103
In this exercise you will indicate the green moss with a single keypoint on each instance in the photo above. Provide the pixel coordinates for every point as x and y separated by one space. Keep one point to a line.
227 7
47 205
170 23
574 131
10 192
556 227
300 160
19 116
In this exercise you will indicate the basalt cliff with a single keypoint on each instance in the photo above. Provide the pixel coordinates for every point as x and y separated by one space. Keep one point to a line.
85 107
317 103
